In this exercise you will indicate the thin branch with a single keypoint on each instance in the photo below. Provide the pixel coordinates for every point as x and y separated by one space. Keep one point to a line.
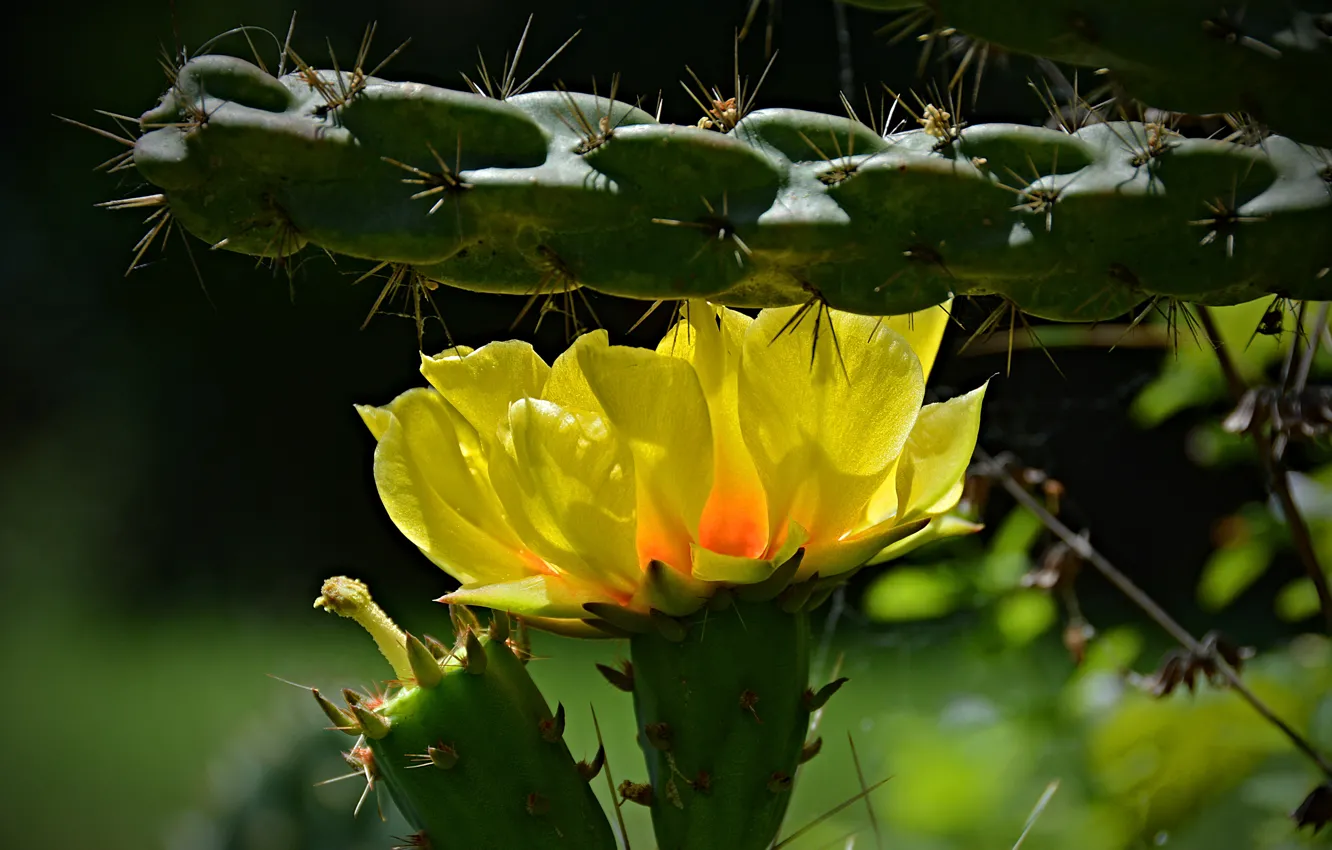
1301 377
1082 546
1307 356
1278 479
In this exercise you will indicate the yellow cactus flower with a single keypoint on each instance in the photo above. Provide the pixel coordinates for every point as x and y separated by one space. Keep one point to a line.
649 479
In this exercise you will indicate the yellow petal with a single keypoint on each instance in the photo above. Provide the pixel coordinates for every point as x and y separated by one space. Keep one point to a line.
939 528
824 434
567 385
934 462
658 405
923 331
482 384
538 595
735 518
432 480
566 480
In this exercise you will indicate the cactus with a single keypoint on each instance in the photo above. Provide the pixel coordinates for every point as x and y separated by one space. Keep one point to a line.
1190 56
466 746
548 191
723 714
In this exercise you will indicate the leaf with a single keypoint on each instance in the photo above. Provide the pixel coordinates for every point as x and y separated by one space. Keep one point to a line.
913 593
1230 571
1297 601
1024 616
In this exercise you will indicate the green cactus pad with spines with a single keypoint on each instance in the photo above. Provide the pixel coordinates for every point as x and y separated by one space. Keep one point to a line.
1191 56
506 781
548 191
722 718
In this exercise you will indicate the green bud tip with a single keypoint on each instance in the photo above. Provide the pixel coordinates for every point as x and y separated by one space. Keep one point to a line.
552 729
589 769
814 701
499 626
341 720
476 655
636 792
622 678
352 697
425 668
373 725
350 598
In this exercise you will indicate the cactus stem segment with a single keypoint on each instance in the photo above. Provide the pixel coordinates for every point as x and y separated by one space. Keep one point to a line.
350 598
720 769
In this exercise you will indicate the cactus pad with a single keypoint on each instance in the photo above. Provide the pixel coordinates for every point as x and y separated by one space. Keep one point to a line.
555 190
